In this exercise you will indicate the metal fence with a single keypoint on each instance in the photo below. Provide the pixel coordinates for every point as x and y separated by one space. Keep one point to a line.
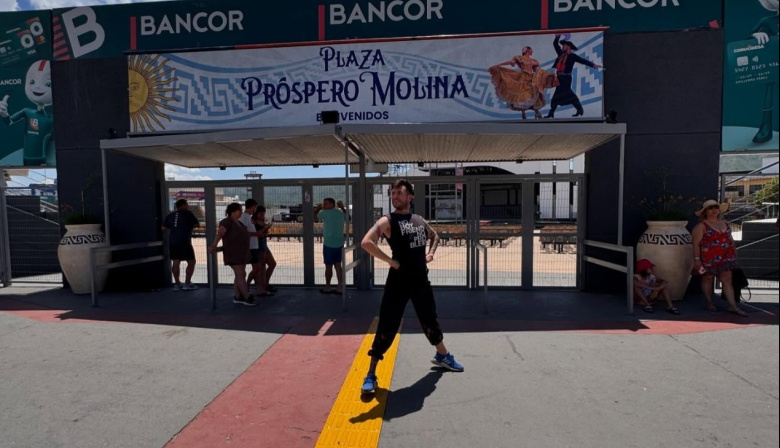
31 224
525 223
753 206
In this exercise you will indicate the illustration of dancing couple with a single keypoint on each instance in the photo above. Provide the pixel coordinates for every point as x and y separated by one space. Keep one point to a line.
523 88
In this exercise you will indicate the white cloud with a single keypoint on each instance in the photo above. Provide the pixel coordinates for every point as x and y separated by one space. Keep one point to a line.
9 5
54 4
181 173
16 5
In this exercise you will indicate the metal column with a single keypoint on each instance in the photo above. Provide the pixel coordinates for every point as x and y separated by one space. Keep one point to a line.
472 230
308 235
5 242
210 203
106 205
529 223
621 188
361 225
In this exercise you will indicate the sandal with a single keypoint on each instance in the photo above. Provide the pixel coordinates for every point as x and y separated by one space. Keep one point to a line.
711 307
326 291
738 312
649 309
673 310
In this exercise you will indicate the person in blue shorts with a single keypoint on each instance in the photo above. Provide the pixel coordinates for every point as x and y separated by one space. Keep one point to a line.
332 215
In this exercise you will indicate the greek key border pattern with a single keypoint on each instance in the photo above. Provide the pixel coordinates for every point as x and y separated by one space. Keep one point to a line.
666 240
82 239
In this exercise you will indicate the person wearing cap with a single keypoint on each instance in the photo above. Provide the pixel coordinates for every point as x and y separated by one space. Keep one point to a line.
179 225
563 66
714 253
647 287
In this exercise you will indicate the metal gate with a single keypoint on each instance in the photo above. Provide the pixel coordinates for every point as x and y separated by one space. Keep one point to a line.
295 240
527 225
29 231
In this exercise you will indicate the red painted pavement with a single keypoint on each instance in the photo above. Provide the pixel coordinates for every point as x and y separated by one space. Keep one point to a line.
284 398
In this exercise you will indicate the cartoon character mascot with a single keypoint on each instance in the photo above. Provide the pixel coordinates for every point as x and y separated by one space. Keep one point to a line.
39 141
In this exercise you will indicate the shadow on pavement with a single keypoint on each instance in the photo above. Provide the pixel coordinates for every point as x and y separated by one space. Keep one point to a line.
306 312
401 402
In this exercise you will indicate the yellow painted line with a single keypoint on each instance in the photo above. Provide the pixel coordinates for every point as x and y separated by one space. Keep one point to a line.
355 421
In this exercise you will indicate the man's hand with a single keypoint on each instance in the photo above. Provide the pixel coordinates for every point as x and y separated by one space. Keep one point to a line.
4 107
394 264
428 258
761 38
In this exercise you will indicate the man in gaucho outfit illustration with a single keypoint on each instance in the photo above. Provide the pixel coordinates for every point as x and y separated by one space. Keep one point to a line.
563 66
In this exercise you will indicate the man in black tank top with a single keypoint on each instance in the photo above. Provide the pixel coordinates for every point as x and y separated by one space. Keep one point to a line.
408 235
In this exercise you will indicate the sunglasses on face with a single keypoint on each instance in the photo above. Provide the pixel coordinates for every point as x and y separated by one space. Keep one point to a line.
713 207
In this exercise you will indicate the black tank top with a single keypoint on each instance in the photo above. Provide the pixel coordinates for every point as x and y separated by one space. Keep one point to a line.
408 238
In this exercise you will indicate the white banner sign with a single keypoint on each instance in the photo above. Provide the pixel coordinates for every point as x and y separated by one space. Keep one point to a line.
492 78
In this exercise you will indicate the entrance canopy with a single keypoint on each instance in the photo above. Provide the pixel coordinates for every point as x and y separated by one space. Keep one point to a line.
380 143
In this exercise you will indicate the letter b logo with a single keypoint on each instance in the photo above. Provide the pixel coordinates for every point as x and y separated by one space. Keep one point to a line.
93 34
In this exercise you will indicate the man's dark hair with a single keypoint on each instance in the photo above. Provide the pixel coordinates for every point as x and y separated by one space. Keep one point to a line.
329 200
403 183
260 209
231 208
180 203
250 203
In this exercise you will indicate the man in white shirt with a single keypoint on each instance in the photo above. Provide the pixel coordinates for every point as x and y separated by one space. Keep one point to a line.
258 264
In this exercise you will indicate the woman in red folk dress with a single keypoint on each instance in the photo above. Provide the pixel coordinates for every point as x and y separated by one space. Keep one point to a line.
714 253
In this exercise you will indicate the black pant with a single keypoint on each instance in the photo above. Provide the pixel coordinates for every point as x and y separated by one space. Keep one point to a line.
564 95
399 288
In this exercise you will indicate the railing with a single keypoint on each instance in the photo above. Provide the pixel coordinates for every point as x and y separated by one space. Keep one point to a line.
118 264
753 243
744 207
482 248
759 171
628 269
32 215
764 273
346 268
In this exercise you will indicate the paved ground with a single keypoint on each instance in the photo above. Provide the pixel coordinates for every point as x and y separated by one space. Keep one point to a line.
543 369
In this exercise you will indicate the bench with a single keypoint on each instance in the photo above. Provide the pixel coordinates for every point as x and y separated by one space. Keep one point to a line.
495 234
498 234
558 236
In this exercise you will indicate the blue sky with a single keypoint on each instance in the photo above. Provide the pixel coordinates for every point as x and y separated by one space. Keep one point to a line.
173 171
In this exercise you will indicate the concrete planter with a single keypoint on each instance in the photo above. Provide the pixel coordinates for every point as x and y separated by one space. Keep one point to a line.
669 245
73 254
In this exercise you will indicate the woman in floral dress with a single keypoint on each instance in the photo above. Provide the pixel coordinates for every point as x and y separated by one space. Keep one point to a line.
522 89
714 253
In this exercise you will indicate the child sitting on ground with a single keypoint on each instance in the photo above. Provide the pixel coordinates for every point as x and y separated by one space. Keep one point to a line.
647 287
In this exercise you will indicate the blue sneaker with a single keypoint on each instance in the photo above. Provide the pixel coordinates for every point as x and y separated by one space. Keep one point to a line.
447 361
369 385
